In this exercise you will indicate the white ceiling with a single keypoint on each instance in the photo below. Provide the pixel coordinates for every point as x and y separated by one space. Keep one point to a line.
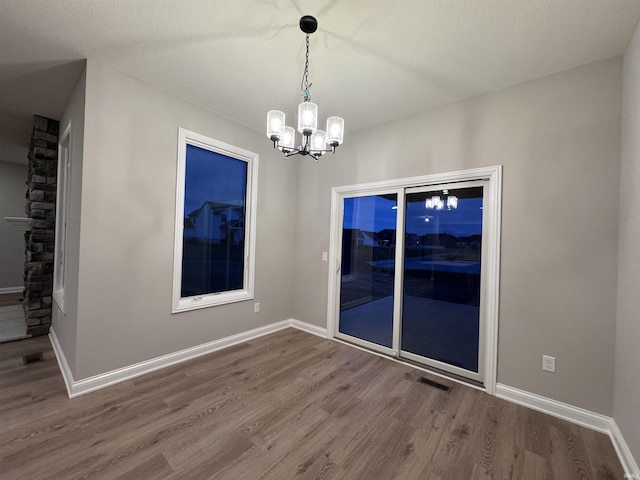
371 61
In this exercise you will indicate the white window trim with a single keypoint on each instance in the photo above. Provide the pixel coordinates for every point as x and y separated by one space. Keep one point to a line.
183 304
493 220
62 215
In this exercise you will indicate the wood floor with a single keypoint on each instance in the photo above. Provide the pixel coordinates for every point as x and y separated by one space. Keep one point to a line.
8 299
285 406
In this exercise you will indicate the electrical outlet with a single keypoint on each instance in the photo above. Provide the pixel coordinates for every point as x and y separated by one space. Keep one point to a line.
325 257
256 307
549 363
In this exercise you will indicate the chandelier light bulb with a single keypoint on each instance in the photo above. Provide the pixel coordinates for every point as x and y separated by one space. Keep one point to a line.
288 139
307 117
335 131
318 142
437 203
275 124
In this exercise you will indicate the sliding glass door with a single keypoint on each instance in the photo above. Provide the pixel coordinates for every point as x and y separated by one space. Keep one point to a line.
367 270
410 269
442 266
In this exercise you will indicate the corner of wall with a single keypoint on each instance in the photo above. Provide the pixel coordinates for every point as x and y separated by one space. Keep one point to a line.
627 346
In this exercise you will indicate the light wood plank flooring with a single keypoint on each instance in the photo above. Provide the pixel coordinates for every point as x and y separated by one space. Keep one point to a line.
13 325
285 406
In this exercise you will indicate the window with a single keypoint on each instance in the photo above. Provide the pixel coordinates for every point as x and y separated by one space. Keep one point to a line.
62 210
215 223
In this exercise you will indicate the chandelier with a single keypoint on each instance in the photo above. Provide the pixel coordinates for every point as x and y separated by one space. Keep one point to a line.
315 143
437 202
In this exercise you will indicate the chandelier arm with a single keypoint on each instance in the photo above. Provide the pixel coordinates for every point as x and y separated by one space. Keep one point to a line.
307 142
326 150
303 151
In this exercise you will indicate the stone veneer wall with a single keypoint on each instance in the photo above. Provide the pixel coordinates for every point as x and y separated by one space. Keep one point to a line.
41 208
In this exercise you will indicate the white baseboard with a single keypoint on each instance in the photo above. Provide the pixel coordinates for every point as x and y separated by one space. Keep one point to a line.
579 416
76 388
11 290
567 412
67 376
629 464
307 327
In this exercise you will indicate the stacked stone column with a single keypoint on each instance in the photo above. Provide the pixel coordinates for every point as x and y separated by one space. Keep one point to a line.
41 209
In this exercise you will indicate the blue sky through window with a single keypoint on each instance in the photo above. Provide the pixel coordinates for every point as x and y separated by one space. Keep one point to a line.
375 213
213 177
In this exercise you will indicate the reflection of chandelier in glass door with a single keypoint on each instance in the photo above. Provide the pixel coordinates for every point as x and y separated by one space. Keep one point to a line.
438 202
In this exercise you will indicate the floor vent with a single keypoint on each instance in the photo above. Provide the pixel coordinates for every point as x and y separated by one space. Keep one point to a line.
32 357
433 384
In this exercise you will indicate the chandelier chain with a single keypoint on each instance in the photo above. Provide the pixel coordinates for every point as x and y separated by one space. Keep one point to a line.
305 86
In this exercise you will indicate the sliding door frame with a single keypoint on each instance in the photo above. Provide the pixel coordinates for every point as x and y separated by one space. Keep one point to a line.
397 279
492 219
431 362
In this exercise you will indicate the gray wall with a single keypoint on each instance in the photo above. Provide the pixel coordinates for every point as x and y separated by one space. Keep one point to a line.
13 178
65 323
559 141
627 378
127 227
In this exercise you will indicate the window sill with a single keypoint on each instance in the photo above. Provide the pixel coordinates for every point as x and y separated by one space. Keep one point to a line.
194 303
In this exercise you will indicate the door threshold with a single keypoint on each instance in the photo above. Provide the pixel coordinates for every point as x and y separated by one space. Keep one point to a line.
444 373
425 368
